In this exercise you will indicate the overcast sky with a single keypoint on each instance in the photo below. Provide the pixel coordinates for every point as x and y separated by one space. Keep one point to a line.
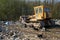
42 0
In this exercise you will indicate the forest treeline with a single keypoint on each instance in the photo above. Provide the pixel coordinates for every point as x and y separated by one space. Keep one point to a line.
13 9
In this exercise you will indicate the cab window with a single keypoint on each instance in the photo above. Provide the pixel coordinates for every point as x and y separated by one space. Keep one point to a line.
40 10
47 9
36 10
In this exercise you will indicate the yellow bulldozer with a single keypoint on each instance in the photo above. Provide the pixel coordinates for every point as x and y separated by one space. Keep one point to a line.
41 18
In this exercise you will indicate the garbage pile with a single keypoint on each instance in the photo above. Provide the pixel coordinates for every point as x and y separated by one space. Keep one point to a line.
14 34
9 32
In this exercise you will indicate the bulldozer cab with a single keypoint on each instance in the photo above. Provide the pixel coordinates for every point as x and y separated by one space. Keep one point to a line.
42 12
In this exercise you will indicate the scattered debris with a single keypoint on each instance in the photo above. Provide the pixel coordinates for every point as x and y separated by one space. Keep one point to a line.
12 33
